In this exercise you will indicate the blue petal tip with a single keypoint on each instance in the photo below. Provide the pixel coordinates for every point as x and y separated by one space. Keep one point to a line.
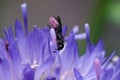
24 12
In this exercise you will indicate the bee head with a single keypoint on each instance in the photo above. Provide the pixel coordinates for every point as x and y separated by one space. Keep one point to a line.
55 22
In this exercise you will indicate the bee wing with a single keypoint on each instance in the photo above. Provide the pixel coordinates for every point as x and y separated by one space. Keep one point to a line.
59 20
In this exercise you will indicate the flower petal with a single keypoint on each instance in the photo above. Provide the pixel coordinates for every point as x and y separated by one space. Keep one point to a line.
87 30
28 72
78 75
107 74
70 53
24 12
18 30
5 69
46 65
64 30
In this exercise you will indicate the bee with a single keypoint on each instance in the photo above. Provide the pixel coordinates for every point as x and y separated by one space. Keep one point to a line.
55 23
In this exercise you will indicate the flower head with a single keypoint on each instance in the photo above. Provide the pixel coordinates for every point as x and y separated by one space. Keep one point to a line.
32 55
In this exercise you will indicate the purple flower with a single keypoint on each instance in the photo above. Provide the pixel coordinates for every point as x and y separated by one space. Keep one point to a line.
32 55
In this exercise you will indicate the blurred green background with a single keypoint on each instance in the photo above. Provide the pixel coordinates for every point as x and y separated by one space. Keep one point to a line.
103 17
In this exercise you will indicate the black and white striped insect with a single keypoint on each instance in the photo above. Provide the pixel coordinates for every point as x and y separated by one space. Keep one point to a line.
55 23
